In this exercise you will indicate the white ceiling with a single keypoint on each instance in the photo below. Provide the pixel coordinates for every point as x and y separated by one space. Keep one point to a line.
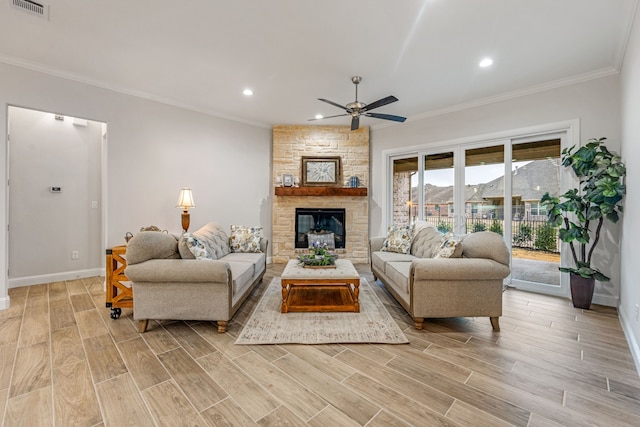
201 54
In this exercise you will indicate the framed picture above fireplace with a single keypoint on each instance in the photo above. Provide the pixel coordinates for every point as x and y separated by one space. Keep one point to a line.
321 171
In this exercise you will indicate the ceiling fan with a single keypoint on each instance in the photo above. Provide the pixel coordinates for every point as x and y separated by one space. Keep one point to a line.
356 108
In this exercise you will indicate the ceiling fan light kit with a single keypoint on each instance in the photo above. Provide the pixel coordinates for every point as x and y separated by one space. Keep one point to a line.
356 108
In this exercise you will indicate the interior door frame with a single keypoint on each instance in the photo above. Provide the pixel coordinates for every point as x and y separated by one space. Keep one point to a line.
30 280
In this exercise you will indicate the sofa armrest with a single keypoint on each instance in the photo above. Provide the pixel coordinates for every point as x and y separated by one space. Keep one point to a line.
264 244
458 269
375 244
179 270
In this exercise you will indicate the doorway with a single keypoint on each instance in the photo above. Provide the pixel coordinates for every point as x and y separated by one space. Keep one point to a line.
55 197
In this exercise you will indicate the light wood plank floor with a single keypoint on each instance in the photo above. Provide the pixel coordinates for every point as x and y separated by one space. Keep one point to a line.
64 361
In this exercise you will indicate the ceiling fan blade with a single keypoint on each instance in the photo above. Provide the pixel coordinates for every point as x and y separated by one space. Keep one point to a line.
335 104
355 122
329 117
386 117
380 103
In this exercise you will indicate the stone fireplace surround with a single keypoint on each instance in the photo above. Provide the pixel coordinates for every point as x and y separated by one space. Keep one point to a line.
290 143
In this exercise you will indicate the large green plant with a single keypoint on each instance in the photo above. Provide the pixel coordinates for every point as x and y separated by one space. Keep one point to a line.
601 190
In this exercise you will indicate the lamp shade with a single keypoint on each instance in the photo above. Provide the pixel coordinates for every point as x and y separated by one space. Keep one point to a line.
185 199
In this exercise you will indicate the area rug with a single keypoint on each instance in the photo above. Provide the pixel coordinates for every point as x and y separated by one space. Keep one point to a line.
267 325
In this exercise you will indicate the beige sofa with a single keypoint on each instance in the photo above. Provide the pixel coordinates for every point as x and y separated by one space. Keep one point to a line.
430 286
169 283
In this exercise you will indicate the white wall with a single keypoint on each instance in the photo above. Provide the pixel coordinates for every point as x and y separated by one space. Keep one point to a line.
630 268
47 226
594 103
152 151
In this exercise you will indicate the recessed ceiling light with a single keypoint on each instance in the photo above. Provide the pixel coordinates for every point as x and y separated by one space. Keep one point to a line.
247 92
486 62
319 116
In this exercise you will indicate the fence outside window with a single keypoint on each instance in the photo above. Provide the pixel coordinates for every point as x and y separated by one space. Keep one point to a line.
527 234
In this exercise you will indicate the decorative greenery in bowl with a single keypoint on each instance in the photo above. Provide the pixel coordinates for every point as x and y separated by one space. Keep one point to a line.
318 256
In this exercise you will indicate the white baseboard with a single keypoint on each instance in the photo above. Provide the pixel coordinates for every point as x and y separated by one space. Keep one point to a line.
631 339
608 300
5 302
54 277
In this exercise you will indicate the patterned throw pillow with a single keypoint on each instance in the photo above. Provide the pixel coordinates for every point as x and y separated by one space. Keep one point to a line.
197 248
245 239
451 247
398 239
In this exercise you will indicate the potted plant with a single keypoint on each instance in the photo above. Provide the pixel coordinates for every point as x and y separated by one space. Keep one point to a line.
580 212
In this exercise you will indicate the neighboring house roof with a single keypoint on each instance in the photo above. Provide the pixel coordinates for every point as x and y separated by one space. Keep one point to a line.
529 183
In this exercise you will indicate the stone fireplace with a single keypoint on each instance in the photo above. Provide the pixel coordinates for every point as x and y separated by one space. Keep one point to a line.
290 144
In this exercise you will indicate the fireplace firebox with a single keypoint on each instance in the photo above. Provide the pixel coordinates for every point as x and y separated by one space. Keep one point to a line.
330 220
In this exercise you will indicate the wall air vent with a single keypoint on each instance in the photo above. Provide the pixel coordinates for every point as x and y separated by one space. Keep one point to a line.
32 8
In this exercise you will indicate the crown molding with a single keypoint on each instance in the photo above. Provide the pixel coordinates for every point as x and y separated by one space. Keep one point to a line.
123 90
580 78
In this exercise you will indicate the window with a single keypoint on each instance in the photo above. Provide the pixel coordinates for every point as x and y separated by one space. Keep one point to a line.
537 209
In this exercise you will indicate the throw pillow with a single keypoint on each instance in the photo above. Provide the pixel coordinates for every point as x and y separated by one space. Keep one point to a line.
245 239
197 248
398 239
450 247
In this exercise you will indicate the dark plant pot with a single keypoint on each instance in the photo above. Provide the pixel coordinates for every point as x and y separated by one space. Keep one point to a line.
581 290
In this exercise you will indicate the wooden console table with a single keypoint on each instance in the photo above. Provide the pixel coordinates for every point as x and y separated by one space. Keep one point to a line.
119 291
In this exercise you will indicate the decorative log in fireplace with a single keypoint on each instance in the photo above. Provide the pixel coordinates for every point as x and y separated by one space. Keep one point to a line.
329 220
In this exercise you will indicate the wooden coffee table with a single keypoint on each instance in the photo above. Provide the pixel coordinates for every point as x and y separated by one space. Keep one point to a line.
320 289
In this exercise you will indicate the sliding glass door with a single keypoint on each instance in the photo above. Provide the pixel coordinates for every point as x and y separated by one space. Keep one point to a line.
437 184
535 251
484 190
492 186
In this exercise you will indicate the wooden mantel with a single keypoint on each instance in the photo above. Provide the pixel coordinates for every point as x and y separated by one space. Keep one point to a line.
320 191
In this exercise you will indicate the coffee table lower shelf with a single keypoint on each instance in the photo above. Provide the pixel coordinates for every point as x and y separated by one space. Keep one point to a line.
320 298
308 289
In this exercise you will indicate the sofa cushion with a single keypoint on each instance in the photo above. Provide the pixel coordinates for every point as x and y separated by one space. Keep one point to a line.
398 272
252 257
380 259
450 246
245 239
148 245
419 224
241 274
215 239
426 242
398 239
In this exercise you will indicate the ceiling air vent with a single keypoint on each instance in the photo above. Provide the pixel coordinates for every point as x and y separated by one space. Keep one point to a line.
32 8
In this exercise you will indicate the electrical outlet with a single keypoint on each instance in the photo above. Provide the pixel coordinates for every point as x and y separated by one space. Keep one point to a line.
637 312
75 255
94 204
